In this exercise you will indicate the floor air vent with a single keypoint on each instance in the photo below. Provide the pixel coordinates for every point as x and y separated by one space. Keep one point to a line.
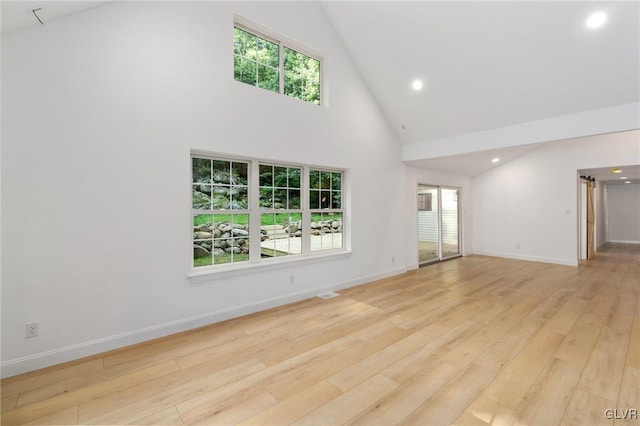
329 295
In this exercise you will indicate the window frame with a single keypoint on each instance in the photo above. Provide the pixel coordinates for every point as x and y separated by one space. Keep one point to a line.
214 211
255 261
283 42
331 210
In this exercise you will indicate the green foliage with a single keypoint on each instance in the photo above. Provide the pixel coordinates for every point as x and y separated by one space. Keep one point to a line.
325 189
256 61
301 76
219 184
279 187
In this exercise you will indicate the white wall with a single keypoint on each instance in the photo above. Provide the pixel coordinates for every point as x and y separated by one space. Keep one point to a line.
416 176
100 111
623 208
527 208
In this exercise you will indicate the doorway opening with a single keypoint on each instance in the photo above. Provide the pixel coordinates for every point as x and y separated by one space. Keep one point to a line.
439 233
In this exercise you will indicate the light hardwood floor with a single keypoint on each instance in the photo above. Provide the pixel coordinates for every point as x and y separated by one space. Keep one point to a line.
472 341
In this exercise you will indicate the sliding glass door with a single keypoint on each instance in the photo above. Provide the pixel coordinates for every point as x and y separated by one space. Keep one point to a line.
438 223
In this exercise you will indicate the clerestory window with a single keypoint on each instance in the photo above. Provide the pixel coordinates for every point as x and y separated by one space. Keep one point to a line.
274 65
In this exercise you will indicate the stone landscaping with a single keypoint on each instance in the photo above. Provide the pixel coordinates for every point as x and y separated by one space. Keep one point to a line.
221 239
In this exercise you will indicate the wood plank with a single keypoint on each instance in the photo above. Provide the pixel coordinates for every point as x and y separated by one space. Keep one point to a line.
68 416
548 398
370 366
19 384
84 379
603 373
633 355
233 412
629 396
65 400
297 406
9 402
301 377
579 343
450 402
565 318
483 412
497 356
346 406
406 368
200 405
139 402
514 381
405 399
586 408
622 313
168 416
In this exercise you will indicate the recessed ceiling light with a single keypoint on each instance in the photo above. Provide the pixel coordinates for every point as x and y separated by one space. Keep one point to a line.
616 170
417 85
628 181
623 177
596 19
495 160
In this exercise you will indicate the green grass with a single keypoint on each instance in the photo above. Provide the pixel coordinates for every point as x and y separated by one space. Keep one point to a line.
206 260
243 219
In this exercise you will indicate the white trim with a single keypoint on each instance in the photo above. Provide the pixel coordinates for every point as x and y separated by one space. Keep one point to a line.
97 346
623 241
204 274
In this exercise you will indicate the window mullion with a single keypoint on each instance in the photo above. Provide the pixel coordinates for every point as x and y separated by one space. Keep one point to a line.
254 213
306 212
281 67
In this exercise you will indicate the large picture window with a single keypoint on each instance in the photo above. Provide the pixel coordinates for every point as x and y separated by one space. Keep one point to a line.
250 211
271 64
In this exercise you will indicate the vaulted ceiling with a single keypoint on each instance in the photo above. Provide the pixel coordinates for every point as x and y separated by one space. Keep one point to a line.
484 64
490 64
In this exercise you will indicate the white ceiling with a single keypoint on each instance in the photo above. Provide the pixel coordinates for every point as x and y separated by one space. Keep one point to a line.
486 64
489 64
473 163
18 14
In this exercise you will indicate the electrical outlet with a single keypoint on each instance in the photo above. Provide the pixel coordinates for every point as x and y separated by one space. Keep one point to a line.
31 330
393 259
292 279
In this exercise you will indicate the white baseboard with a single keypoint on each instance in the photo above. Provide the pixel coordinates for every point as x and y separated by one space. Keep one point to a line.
565 262
624 241
93 347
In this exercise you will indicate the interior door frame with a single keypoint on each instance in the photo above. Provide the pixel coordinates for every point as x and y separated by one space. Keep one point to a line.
587 218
